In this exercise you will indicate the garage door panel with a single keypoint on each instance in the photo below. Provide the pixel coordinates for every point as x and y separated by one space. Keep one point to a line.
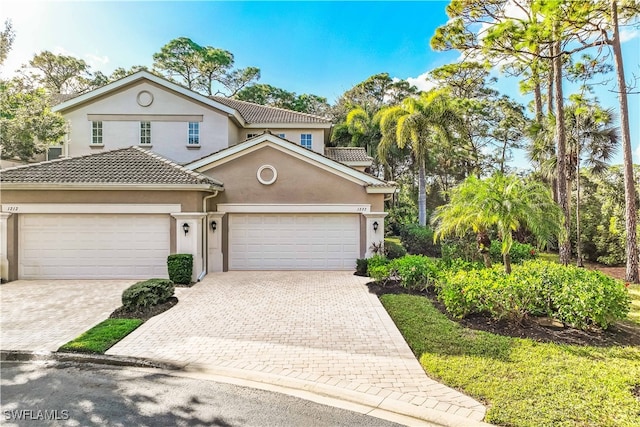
106 246
293 241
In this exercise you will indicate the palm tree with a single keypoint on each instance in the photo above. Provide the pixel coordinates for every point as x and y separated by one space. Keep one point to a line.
501 202
363 129
417 123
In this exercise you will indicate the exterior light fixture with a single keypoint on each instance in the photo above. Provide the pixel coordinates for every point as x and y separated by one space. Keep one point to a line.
375 226
185 227
214 225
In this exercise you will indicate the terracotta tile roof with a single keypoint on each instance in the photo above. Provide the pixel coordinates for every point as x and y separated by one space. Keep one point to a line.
347 154
256 113
133 165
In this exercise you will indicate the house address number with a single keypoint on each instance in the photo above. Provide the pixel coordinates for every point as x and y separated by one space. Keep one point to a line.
10 209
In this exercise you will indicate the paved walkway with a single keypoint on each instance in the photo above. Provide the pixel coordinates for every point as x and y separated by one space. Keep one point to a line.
42 315
317 331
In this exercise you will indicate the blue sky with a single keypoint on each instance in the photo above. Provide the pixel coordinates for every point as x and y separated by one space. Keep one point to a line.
322 48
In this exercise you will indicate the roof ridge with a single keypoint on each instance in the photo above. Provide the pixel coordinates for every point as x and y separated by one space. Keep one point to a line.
174 164
215 98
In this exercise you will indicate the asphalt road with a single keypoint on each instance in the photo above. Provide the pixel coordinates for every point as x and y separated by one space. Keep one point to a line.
71 394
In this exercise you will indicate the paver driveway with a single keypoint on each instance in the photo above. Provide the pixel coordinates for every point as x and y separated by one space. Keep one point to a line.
310 327
41 315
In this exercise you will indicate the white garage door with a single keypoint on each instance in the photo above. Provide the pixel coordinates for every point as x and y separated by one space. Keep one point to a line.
293 241
100 246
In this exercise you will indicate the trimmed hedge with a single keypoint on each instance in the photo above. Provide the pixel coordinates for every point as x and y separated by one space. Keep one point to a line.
577 297
147 293
180 267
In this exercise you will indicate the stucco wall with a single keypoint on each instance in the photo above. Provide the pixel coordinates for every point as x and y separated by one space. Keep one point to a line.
291 134
168 138
297 182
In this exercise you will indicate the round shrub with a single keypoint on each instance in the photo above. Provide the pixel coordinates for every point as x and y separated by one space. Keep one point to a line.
393 250
418 240
180 267
147 293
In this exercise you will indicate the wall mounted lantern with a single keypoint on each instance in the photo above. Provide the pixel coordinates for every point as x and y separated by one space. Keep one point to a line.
375 226
185 227
214 225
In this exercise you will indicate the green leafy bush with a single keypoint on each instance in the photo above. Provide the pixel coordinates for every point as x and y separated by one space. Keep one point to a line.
578 297
393 250
519 252
418 240
362 265
180 267
147 293
379 268
416 271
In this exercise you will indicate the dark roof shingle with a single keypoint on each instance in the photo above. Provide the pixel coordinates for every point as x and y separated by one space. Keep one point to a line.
133 165
256 113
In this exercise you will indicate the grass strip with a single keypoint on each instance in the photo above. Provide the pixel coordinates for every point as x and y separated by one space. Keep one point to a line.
525 383
102 336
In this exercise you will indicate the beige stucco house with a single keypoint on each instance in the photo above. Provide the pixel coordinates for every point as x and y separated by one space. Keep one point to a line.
150 168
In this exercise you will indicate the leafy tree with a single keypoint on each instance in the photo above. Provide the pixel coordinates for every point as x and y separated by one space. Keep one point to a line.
202 68
121 72
7 36
272 96
418 124
27 125
503 202
58 73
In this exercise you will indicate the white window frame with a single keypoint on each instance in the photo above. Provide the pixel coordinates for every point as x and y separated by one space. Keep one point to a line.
193 133
306 140
145 133
97 135
282 135
252 135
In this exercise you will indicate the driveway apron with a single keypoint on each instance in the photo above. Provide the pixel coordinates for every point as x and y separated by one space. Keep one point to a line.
42 315
309 327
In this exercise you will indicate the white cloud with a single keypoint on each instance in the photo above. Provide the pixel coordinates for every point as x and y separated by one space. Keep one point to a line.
636 154
96 61
421 82
626 35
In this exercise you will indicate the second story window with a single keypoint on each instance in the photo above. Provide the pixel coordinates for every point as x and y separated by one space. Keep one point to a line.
96 133
194 133
305 140
145 133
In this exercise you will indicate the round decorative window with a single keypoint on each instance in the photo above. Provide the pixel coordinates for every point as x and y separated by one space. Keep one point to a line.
145 98
267 174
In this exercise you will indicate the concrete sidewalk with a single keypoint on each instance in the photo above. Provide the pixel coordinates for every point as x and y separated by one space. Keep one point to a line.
318 332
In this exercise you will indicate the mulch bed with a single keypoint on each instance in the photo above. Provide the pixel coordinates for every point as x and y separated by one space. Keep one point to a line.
143 314
621 334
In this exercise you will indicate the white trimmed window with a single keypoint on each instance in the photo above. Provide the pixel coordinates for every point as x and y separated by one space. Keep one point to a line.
251 135
145 133
306 140
281 135
96 133
194 133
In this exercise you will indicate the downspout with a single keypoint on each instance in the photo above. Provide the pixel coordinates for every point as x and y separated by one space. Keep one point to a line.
205 239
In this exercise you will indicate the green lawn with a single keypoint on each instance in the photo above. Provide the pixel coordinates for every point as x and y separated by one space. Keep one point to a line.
634 315
102 336
523 382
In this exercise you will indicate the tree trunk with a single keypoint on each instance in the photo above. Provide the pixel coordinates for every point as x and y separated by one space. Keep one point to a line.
422 194
631 218
484 243
507 262
563 197
550 80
